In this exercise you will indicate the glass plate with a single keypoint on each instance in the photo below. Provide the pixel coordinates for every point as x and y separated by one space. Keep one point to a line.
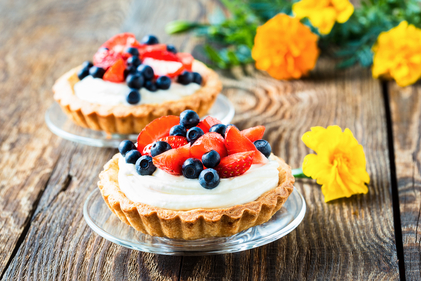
107 225
58 122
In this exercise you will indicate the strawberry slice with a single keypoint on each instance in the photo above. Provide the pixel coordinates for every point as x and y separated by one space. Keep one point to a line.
206 143
172 160
158 128
186 59
174 142
254 133
235 164
143 49
235 142
106 58
116 72
207 123
160 55
120 42
162 67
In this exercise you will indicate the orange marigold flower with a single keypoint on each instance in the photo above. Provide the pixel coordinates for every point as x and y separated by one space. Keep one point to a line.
323 13
397 54
339 165
285 48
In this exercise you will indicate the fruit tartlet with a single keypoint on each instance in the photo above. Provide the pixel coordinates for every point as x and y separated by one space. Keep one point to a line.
191 179
131 83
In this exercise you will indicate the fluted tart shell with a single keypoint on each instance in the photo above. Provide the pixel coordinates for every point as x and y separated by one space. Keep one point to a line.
196 223
124 119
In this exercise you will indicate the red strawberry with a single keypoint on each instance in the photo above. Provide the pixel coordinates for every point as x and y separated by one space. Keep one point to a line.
207 123
147 149
160 55
116 72
143 49
186 59
162 67
235 142
106 59
172 160
158 128
254 133
206 143
120 42
235 164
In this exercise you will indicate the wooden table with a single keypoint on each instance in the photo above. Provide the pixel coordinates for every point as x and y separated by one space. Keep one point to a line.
45 180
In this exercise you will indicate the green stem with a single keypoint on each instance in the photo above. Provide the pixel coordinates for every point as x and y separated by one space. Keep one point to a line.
298 173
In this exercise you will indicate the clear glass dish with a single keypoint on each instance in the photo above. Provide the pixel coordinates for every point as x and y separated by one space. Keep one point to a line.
58 122
107 225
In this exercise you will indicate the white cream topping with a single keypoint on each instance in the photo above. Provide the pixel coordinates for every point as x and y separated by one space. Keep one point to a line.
179 193
96 90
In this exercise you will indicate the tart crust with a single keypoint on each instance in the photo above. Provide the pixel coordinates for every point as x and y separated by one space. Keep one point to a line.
196 223
124 119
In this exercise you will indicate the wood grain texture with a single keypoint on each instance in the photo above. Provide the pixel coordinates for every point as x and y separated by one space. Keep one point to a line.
405 104
346 239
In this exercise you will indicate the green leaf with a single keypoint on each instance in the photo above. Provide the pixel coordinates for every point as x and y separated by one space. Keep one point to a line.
181 26
347 63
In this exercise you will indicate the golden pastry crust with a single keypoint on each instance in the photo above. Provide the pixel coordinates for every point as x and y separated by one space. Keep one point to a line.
196 223
132 119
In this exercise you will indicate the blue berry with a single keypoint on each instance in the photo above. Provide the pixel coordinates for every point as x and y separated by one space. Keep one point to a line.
178 130
144 166
185 77
129 70
264 147
87 64
211 159
125 146
189 118
194 134
135 80
171 48
163 82
133 51
150 86
146 71
191 168
218 128
159 147
149 40
197 78
96 72
133 61
132 156
133 97
209 178
83 73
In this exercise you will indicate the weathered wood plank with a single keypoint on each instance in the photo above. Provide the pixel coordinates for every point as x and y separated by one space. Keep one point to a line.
405 104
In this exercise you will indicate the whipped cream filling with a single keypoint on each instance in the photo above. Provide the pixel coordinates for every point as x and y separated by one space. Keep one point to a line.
96 90
179 193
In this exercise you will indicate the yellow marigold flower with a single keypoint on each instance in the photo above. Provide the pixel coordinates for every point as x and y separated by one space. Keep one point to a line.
397 54
285 48
323 13
339 165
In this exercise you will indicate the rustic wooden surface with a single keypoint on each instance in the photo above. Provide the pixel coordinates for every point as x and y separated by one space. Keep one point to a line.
44 180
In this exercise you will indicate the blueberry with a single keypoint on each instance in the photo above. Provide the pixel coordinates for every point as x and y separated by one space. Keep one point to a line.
149 40
83 73
132 156
133 97
194 133
87 64
264 147
185 77
178 130
144 166
189 118
133 61
209 178
163 82
125 146
133 51
135 80
191 168
197 78
96 72
159 147
211 159
129 70
218 128
146 71
150 86
171 48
